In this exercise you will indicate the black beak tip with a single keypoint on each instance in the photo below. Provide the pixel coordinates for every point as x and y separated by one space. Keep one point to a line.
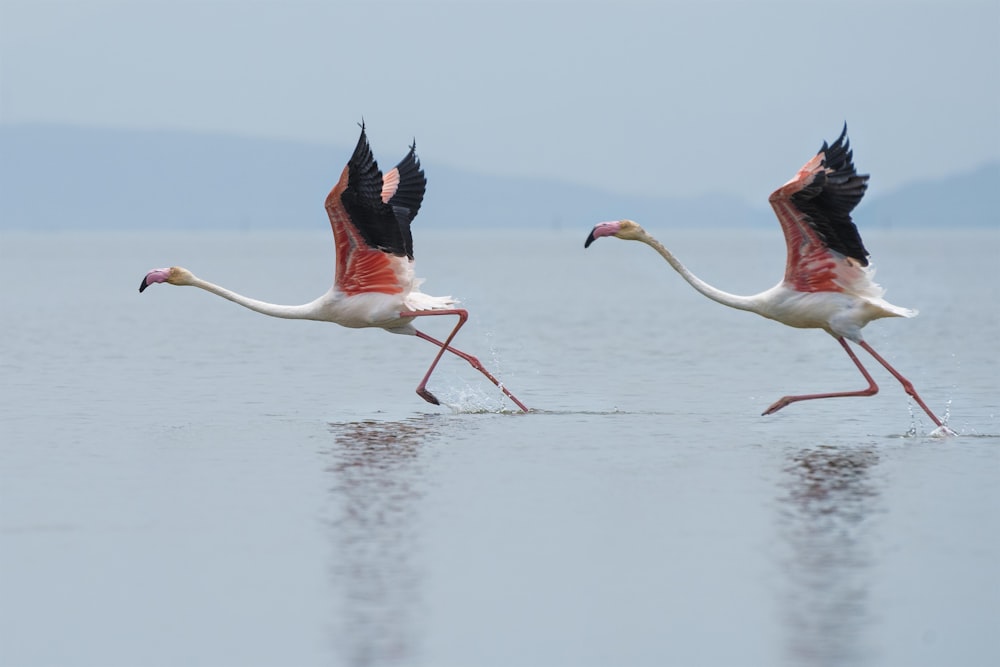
143 285
590 239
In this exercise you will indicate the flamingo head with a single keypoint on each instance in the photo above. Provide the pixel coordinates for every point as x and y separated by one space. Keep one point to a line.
623 229
175 275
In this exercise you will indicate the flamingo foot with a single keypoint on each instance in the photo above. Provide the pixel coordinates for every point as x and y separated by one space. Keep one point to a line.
427 396
777 405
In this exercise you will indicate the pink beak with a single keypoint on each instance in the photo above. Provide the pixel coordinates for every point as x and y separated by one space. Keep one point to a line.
154 276
602 229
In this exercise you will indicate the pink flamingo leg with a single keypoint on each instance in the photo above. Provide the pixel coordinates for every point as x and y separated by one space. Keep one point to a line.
872 387
463 315
907 385
871 390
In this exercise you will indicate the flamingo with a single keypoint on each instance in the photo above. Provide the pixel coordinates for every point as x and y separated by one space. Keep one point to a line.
828 282
374 284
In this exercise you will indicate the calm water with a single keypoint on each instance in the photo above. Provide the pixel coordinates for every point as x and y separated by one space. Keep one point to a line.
186 482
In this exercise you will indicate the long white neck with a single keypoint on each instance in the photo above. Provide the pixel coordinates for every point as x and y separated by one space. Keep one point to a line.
715 294
303 312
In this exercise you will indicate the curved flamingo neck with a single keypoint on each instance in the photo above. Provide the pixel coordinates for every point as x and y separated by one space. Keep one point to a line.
713 293
303 312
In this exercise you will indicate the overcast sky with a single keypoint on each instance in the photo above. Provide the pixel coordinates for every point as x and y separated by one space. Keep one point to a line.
679 98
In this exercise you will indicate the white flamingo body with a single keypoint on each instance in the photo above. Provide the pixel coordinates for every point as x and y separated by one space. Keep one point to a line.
374 309
841 314
374 284
828 282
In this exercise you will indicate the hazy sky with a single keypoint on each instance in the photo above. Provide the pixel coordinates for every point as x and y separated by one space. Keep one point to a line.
686 97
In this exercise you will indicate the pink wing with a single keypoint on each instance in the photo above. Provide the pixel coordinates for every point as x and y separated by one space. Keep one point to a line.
370 217
825 251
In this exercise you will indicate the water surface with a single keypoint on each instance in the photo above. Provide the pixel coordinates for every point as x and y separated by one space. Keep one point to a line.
186 482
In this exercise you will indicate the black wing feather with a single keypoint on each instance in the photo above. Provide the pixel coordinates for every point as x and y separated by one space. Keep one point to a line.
378 223
409 195
828 201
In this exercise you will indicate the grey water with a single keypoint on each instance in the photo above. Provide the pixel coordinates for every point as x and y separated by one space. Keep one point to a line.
184 482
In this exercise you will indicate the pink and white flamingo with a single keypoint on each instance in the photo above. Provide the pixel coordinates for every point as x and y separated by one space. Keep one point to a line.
828 282
374 284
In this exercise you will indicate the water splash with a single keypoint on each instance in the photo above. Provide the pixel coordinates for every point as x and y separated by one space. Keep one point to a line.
474 400
942 431
497 366
913 431
947 412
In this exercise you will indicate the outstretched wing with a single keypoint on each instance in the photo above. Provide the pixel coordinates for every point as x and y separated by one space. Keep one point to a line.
825 250
403 189
371 230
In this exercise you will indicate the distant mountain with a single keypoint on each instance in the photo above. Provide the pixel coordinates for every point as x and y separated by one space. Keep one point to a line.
969 199
61 177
